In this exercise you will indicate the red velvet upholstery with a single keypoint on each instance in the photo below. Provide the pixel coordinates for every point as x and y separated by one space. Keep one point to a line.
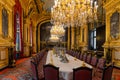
94 61
40 66
81 56
101 63
84 57
78 55
98 71
51 72
107 74
82 73
88 60
34 70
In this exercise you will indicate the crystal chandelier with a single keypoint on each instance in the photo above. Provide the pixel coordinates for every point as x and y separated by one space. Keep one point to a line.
54 38
57 30
73 12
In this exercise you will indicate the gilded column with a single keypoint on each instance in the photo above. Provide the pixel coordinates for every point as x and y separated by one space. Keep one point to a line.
108 27
39 38
25 33
72 38
86 34
107 32
0 20
10 28
68 42
34 40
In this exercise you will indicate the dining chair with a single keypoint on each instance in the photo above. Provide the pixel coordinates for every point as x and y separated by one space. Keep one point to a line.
82 73
81 56
34 70
94 61
88 60
84 57
107 74
98 71
51 72
101 63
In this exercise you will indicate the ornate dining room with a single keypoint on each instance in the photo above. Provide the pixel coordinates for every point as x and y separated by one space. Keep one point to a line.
59 39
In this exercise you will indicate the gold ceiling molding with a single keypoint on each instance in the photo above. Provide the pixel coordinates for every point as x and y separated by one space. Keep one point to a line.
25 3
111 5
8 4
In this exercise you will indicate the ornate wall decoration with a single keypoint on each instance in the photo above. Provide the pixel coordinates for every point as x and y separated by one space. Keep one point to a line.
4 22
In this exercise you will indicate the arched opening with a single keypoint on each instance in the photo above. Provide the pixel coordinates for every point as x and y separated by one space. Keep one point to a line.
43 35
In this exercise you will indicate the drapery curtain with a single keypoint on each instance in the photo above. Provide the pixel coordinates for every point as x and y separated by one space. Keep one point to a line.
18 10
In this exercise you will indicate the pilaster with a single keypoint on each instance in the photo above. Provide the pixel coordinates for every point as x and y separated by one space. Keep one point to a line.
72 37
68 42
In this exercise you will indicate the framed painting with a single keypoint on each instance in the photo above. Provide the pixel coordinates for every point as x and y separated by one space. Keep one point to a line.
4 22
114 25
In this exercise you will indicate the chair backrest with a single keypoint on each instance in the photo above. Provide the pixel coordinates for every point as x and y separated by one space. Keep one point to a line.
88 60
34 70
94 61
107 73
82 73
101 63
78 55
51 72
81 56
84 57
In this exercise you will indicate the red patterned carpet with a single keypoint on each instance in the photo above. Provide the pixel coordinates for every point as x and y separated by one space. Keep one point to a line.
116 74
22 71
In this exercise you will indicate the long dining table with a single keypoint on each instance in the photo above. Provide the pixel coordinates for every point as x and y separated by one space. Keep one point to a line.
65 69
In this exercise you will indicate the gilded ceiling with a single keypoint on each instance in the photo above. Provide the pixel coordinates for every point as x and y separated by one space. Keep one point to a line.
36 6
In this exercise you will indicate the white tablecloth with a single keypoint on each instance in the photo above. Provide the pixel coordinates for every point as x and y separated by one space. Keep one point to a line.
65 69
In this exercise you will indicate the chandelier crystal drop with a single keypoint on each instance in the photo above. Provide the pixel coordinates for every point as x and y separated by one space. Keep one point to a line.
73 12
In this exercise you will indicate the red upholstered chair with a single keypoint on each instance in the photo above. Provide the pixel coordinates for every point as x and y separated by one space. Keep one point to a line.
81 56
94 61
98 71
84 57
51 72
34 70
82 73
107 74
101 63
78 55
88 60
